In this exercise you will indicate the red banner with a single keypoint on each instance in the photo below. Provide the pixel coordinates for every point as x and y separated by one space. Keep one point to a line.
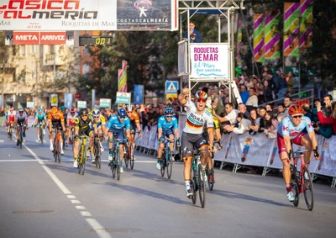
36 38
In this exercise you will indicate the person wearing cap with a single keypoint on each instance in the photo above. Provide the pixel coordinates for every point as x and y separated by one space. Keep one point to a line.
118 128
55 119
199 121
21 119
295 128
167 130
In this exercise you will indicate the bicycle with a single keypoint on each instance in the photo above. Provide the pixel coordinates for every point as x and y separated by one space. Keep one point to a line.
198 179
40 131
10 131
82 155
301 180
97 151
167 161
20 138
129 159
57 145
116 163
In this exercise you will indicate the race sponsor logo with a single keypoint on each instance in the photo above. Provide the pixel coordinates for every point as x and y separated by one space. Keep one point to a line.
35 38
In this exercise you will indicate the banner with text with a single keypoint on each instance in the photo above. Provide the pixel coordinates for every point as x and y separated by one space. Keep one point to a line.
209 60
56 15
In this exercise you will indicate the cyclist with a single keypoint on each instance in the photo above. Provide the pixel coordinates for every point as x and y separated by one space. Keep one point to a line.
116 128
71 124
10 118
167 128
83 126
135 124
99 125
55 121
298 129
193 136
40 121
21 119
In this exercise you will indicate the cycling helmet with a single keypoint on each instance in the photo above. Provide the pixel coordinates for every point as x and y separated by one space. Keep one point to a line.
84 112
62 108
295 110
72 110
122 112
40 110
53 110
95 112
168 111
20 109
200 94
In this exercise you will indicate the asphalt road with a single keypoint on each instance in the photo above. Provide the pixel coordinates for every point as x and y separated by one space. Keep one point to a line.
39 198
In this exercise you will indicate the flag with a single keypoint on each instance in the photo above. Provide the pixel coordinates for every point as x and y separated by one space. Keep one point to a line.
306 24
122 77
258 37
291 29
272 36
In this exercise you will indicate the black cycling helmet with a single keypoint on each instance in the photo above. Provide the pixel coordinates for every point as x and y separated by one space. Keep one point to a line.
84 112
122 113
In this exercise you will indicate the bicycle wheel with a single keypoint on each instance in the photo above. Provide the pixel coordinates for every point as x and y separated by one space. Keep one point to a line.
21 138
97 154
193 189
201 189
41 134
210 184
113 168
118 168
163 167
308 189
169 165
131 159
82 159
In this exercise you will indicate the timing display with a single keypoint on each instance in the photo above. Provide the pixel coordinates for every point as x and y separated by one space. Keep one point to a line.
95 40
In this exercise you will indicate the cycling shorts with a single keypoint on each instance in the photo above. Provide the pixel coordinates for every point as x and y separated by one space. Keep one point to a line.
281 141
191 142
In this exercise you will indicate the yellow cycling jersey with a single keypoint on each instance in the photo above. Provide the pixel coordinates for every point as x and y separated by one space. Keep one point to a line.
101 121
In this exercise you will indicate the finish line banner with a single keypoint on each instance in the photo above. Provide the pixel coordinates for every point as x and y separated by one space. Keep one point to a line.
69 15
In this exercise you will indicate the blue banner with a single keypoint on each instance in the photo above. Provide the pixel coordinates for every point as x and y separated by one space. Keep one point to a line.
138 94
67 100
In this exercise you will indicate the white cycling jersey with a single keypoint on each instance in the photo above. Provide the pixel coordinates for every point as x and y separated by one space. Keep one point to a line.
196 122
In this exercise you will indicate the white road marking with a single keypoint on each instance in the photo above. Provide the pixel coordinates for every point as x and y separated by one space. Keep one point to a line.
101 232
2 141
17 160
85 214
80 207
71 196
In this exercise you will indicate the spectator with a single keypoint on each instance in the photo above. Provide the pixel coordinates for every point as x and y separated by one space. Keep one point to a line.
324 129
230 117
327 120
268 96
271 125
242 109
287 102
195 35
255 122
281 112
252 101
242 125
244 94
280 84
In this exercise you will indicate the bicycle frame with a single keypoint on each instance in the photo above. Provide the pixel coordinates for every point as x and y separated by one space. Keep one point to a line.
198 178
116 161
167 162
82 154
57 145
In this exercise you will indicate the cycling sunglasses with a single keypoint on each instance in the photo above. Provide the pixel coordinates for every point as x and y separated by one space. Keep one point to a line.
297 116
201 100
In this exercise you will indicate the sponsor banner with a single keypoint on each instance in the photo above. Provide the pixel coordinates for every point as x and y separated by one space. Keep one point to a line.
122 77
36 38
147 15
54 100
48 15
81 104
138 94
291 29
68 98
123 98
258 37
30 105
209 60
52 38
105 103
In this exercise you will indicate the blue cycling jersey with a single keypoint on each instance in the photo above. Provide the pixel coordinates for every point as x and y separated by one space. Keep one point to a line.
287 128
114 124
167 125
40 116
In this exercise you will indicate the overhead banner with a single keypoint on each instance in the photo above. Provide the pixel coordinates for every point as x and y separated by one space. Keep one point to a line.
209 61
46 15
306 24
147 15
123 98
36 38
67 15
272 36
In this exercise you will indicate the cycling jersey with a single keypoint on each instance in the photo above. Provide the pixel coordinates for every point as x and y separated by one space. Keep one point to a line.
10 116
114 124
21 119
56 119
40 116
214 118
100 122
287 128
195 122
71 119
84 127
134 119
167 125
